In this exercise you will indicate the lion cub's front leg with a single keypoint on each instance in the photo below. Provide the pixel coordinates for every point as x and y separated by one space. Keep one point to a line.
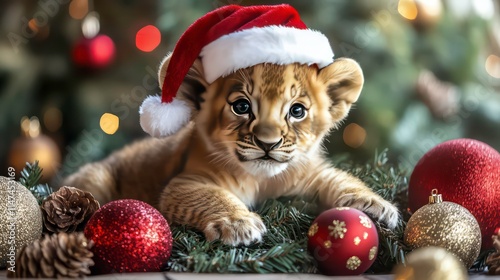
337 188
211 209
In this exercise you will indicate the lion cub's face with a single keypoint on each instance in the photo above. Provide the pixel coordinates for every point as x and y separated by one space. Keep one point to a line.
268 117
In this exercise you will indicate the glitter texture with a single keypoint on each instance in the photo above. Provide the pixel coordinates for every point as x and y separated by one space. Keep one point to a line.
21 219
365 221
466 172
357 240
338 229
353 263
313 229
373 253
338 245
447 225
129 236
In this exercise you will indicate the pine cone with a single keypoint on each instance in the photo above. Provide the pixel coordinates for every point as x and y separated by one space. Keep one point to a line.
493 260
68 210
440 97
59 255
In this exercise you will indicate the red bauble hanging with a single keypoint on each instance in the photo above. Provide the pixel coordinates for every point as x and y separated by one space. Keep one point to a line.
129 236
94 53
466 172
343 241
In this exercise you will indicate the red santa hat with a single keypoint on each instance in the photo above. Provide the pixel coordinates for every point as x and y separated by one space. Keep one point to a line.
227 39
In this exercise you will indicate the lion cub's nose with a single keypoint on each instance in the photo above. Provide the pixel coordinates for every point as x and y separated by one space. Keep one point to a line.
265 146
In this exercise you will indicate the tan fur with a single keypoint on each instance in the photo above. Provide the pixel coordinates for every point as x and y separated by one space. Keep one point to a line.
207 175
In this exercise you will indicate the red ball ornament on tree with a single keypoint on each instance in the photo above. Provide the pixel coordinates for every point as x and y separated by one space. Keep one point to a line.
129 236
94 53
344 241
466 172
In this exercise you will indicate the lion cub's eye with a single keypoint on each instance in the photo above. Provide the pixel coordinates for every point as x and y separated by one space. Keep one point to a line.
240 107
297 111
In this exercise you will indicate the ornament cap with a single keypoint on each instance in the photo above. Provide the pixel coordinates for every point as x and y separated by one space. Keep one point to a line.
435 197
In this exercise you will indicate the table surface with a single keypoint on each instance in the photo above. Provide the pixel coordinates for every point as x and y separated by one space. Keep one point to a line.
194 276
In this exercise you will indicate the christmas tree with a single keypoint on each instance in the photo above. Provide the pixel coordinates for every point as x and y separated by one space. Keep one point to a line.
431 72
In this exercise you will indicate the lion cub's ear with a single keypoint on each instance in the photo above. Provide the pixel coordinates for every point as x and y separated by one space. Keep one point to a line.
344 81
192 86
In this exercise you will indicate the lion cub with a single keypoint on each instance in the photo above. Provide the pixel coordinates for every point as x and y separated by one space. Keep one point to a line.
256 135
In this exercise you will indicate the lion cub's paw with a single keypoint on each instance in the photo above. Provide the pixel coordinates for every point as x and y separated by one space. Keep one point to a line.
242 227
373 205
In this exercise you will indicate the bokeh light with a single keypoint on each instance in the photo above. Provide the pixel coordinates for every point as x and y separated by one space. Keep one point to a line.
25 126
78 9
109 123
91 25
492 66
408 9
484 8
34 129
148 38
103 49
354 135
96 52
33 26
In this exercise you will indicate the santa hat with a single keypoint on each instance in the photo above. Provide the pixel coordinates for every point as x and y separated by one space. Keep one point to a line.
227 39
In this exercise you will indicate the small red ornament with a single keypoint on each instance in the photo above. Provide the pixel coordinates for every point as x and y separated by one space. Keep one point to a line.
344 241
94 53
466 172
129 236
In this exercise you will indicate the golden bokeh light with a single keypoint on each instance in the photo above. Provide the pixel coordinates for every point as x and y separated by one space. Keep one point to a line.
492 66
354 135
408 9
25 126
34 129
78 9
109 123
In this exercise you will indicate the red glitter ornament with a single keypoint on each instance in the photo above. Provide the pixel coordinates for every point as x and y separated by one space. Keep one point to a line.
466 172
129 236
344 241
94 53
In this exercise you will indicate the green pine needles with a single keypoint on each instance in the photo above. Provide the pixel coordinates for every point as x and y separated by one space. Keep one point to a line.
282 250
284 247
30 176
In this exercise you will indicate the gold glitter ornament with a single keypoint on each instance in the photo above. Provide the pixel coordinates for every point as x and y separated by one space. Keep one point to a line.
21 219
430 263
447 225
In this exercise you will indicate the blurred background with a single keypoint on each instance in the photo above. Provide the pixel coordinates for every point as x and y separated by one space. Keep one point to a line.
74 72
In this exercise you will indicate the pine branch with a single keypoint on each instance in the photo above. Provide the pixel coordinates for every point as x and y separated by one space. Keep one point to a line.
480 264
30 176
284 247
392 249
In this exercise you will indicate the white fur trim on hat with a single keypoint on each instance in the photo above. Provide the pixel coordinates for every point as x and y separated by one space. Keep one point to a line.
271 44
163 119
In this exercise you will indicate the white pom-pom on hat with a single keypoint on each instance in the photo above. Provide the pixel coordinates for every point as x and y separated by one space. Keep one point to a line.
162 119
